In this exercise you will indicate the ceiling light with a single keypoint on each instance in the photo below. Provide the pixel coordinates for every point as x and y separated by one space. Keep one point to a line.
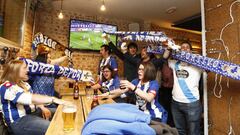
60 15
103 8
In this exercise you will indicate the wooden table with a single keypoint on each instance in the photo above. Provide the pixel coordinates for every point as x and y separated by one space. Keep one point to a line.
83 108
87 104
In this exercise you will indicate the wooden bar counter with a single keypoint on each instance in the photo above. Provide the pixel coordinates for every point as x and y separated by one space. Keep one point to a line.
83 108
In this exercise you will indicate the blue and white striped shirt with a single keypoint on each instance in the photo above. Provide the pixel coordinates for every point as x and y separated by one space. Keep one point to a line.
113 84
186 82
15 103
153 108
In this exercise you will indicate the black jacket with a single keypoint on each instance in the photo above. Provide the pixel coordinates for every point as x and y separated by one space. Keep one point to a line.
130 62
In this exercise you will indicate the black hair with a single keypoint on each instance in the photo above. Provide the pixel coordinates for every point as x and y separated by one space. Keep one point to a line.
107 48
151 55
111 69
132 45
41 58
149 71
187 42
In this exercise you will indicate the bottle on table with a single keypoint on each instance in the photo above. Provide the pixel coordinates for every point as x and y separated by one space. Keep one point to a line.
76 91
95 99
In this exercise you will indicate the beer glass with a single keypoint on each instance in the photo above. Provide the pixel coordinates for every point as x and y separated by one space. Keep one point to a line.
88 90
69 115
121 79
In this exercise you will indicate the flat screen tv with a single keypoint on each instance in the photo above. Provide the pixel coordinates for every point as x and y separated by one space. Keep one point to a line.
85 35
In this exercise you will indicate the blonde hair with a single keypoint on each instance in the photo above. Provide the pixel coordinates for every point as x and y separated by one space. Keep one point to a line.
11 73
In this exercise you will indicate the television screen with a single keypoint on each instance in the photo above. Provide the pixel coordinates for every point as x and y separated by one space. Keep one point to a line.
86 35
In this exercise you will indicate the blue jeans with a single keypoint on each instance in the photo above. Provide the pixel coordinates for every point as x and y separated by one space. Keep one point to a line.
187 117
38 112
29 125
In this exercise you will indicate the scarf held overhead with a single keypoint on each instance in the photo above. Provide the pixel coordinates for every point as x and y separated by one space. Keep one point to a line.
39 38
40 68
221 67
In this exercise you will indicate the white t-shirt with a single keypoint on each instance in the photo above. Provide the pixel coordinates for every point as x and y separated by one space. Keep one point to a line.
186 81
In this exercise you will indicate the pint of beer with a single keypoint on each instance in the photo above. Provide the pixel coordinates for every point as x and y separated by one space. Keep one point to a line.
69 114
87 90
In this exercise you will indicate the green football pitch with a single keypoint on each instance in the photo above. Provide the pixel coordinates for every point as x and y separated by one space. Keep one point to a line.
87 40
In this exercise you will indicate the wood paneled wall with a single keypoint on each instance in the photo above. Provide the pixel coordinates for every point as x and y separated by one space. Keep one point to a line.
217 16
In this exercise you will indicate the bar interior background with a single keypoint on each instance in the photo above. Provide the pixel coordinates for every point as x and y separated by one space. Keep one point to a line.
21 19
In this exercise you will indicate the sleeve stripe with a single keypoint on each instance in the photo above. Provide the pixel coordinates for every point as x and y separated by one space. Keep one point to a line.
17 97
153 92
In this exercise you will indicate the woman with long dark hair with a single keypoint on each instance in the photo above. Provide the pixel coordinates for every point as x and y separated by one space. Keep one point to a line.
145 87
110 80
109 83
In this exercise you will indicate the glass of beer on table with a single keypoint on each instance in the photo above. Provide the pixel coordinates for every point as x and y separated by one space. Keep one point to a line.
88 90
69 114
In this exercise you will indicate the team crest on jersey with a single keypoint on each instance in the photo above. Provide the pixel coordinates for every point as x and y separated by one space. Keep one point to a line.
7 84
182 74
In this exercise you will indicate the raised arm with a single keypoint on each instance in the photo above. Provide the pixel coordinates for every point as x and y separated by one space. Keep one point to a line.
116 51
59 60
166 54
